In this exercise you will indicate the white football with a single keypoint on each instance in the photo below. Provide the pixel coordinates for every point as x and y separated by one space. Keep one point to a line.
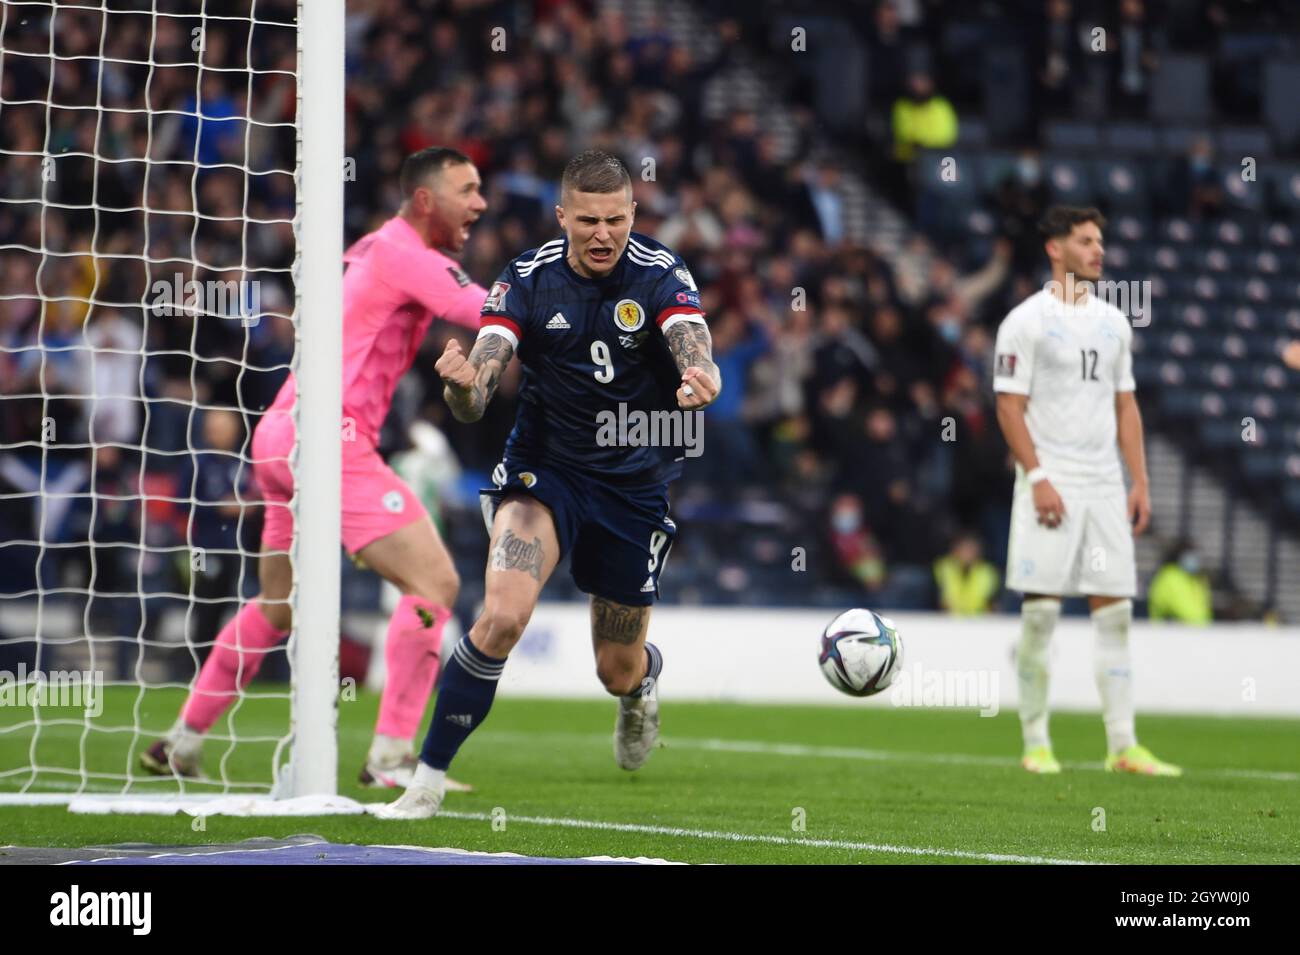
861 652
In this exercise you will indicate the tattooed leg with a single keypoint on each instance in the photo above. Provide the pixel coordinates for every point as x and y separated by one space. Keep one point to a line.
515 553
618 637
522 557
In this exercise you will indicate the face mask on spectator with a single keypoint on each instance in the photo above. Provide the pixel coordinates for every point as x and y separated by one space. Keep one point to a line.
845 522
1028 171
1190 562
950 329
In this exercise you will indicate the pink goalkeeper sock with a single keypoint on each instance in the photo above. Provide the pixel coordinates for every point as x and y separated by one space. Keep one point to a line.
235 659
411 655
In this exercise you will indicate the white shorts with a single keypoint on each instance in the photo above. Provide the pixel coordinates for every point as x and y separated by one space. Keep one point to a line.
1089 552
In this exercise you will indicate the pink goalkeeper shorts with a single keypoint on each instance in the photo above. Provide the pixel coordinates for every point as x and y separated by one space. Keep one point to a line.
376 501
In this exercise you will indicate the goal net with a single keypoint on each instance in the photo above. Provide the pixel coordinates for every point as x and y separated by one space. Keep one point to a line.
160 275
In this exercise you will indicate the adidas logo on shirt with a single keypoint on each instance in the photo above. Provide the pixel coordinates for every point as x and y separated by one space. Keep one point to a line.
558 321
649 586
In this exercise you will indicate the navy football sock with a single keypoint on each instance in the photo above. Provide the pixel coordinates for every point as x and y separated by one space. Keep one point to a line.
654 664
469 683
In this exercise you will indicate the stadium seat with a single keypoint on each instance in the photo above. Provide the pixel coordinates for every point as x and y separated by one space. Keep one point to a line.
1130 228
1284 183
1235 232
1240 194
973 131
1178 140
1219 435
1186 344
1130 139
1072 137
1281 80
1195 314
1121 184
1260 465
1180 88
1226 258
1135 256
1068 181
995 168
1239 317
1181 402
1243 141
1178 230
1276 235
1146 371
1262 346
1268 262
1166 258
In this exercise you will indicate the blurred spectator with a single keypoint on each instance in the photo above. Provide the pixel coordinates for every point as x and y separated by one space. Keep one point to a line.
213 128
694 227
967 583
1019 202
112 558
823 192
1060 58
1136 60
886 56
111 370
1180 590
922 119
857 554
1197 192
218 486
731 452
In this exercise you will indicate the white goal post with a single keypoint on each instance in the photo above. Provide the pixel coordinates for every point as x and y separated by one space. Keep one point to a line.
48 752
320 378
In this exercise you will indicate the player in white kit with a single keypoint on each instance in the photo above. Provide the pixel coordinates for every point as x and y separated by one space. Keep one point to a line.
1065 398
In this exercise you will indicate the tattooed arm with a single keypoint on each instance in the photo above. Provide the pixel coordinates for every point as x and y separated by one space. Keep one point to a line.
471 382
692 350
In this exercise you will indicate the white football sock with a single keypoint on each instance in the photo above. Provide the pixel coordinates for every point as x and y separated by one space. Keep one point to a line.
1038 620
1114 672
426 775
184 742
388 750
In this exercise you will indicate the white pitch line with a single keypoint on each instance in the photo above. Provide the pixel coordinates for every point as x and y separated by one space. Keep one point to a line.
721 836
881 755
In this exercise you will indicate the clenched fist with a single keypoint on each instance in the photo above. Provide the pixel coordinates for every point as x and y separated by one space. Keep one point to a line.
697 389
454 368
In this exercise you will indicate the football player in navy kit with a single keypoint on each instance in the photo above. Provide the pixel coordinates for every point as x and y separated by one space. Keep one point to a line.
605 322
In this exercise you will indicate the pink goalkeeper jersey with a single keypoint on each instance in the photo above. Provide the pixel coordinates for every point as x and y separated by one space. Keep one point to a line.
394 286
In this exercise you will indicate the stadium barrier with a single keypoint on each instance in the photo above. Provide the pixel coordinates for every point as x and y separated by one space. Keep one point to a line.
770 656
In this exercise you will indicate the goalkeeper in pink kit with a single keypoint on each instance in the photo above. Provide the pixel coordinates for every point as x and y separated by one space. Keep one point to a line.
397 281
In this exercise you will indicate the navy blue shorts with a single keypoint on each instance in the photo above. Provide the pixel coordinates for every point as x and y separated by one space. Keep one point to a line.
618 537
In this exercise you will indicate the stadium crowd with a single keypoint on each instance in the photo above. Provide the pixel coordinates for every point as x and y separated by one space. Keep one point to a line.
857 414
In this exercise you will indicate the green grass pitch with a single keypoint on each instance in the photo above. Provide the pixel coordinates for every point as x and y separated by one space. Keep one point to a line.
743 784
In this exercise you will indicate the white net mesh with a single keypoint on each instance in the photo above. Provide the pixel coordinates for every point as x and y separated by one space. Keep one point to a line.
148 201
